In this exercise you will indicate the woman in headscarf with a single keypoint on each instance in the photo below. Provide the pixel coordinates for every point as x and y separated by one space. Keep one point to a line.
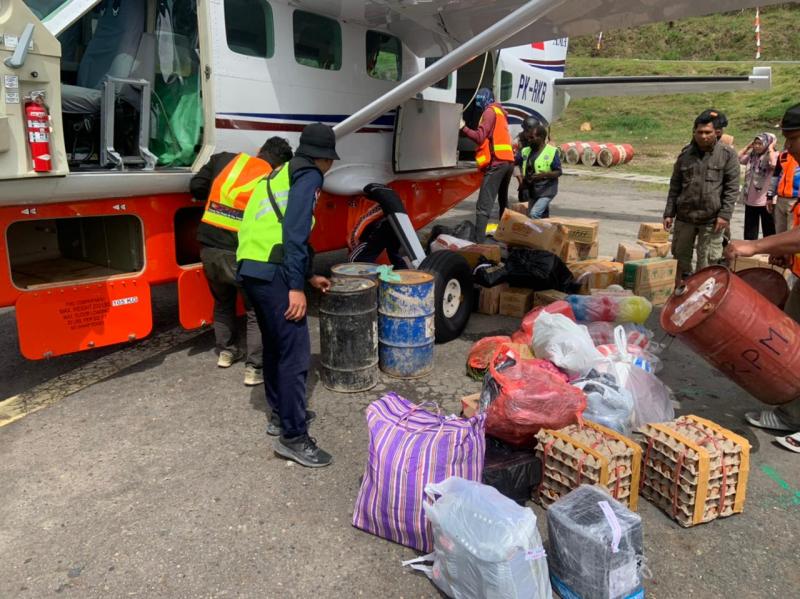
759 157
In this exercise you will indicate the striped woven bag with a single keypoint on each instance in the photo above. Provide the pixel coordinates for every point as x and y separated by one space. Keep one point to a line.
410 447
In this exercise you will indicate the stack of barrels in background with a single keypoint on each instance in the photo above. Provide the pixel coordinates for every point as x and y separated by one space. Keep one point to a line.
592 153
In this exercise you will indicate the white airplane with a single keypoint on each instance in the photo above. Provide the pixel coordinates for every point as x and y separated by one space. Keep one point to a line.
109 106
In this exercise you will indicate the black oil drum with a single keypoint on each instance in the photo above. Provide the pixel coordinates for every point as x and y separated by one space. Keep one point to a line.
348 325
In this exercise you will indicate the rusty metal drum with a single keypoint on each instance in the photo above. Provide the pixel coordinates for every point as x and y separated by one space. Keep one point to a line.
406 324
739 331
769 283
359 270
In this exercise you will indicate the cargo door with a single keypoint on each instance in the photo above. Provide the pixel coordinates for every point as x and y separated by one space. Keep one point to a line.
195 302
30 62
62 320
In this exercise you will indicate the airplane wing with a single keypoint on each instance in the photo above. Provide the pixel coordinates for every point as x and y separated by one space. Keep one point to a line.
433 27
588 87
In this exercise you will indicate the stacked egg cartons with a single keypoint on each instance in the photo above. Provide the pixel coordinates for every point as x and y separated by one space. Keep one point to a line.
694 469
591 454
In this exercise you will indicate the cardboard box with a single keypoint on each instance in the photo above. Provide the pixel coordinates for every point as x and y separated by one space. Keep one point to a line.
757 261
649 272
516 229
653 233
516 301
611 292
520 207
547 297
579 230
574 252
473 253
596 274
627 252
656 250
656 294
489 299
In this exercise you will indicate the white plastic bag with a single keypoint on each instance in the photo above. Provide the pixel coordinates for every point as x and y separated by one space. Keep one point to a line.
566 344
485 545
651 398
606 402
448 242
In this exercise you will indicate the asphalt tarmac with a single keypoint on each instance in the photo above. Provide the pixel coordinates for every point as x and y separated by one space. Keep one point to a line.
159 481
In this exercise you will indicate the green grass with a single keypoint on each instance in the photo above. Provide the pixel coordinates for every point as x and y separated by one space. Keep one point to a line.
659 126
729 36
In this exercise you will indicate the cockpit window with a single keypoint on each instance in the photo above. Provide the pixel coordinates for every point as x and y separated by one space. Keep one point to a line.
249 27
317 41
384 56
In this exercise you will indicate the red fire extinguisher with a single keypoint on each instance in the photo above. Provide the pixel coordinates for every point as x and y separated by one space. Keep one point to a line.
38 132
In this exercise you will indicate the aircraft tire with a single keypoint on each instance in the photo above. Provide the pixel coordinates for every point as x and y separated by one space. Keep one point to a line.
453 291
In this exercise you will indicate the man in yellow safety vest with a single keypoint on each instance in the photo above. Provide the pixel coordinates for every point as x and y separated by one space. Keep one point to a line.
225 184
274 264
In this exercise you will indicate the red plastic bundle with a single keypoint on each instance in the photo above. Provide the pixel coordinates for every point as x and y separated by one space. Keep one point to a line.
480 354
525 333
528 398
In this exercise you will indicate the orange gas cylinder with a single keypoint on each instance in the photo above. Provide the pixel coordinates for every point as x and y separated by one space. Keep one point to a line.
739 331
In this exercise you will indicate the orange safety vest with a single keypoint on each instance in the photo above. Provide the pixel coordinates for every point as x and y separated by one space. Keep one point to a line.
795 224
789 184
231 191
498 143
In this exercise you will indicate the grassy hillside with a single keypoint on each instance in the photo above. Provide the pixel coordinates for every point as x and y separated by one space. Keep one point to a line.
658 126
728 36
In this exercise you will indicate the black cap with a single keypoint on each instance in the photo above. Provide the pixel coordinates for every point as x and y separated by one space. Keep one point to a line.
529 123
718 118
791 119
318 141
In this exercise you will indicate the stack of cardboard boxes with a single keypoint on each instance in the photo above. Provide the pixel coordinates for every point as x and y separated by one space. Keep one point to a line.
516 229
646 271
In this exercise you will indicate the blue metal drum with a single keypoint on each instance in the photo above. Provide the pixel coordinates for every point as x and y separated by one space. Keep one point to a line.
406 324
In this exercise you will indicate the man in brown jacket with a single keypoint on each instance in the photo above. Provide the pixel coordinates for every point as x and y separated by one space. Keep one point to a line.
702 194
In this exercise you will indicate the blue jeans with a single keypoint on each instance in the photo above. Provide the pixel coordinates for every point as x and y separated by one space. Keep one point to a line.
539 208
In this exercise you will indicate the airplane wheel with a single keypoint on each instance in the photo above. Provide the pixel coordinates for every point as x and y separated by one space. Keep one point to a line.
453 293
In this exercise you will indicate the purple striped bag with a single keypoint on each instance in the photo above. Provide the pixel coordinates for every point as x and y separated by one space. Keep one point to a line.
410 447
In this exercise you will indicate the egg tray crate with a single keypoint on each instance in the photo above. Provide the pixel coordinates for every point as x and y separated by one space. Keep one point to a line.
687 514
551 491
591 454
721 449
677 472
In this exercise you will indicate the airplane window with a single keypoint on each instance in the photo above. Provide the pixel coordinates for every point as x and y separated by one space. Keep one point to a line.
506 85
248 27
317 41
442 83
384 56
44 8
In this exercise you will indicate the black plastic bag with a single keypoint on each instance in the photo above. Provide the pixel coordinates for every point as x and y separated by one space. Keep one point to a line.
538 270
464 230
513 472
488 275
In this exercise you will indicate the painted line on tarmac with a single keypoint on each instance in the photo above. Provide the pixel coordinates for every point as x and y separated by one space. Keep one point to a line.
57 388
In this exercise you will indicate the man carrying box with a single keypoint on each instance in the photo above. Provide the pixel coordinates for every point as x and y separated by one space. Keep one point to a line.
702 194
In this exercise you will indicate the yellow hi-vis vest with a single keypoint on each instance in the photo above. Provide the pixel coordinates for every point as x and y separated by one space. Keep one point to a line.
231 191
542 162
261 233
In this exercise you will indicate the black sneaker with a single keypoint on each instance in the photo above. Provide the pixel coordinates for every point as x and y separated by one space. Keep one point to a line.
303 450
274 424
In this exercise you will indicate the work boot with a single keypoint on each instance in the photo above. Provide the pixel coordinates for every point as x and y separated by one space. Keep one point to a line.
227 358
303 450
274 424
252 376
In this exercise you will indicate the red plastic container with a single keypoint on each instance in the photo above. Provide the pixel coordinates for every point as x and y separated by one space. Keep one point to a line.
739 331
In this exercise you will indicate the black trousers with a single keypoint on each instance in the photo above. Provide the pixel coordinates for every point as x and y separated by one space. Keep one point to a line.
752 216
287 352
377 237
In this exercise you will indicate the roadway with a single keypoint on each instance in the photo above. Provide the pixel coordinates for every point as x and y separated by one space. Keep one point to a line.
158 481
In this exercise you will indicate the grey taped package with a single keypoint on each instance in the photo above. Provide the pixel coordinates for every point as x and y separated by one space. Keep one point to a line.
595 551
